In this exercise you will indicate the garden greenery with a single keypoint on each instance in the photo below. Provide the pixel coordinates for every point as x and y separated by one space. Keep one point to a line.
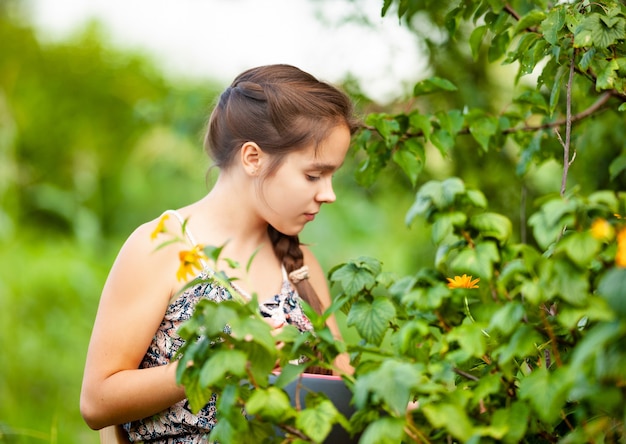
535 349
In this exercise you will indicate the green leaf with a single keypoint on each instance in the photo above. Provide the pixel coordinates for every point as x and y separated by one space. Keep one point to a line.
600 31
476 198
595 342
522 344
407 338
316 422
197 394
597 309
427 198
391 383
443 140
426 298
222 363
356 275
607 77
492 225
549 221
483 129
515 419
612 288
451 121
531 19
617 166
213 253
555 92
580 247
444 225
498 46
476 39
386 126
450 416
372 319
420 122
232 426
546 392
431 85
471 339
507 318
605 198
552 24
477 261
587 59
534 98
410 156
561 278
252 329
270 404
385 430
451 188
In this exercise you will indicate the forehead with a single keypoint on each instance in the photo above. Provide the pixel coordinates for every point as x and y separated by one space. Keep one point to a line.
329 153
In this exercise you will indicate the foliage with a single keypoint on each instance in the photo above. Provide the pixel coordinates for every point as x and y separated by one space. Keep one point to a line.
537 352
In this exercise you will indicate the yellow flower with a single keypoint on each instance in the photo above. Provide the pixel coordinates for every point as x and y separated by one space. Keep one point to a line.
620 256
602 230
160 228
190 260
464 281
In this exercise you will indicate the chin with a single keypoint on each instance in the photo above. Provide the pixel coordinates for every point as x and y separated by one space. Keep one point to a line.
290 231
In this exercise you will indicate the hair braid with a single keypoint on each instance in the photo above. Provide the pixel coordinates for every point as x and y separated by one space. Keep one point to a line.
287 249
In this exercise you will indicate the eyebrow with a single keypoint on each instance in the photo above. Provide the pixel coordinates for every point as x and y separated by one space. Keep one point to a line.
324 167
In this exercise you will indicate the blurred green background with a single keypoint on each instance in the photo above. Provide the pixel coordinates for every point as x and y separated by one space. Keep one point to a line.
96 139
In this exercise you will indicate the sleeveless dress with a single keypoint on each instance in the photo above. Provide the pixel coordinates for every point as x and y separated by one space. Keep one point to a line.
177 424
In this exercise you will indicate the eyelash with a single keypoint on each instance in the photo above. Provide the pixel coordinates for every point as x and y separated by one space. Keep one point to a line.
312 178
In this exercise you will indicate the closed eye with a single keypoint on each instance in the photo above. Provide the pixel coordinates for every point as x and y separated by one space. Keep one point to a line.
312 178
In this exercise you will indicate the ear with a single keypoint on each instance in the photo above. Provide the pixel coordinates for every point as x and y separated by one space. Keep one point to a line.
252 158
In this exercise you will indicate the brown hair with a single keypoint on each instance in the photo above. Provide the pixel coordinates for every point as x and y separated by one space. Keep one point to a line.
282 109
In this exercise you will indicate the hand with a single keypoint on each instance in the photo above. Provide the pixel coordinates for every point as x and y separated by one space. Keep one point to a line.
276 324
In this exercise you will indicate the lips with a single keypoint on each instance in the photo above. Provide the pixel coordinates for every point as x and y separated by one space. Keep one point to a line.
310 216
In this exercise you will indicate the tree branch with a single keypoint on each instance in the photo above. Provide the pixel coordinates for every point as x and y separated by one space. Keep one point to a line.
595 107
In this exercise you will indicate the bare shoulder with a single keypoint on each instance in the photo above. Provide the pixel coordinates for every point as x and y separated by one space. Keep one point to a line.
148 260
317 277
311 261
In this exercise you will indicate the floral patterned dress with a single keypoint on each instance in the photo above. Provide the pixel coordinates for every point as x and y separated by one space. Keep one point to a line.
177 424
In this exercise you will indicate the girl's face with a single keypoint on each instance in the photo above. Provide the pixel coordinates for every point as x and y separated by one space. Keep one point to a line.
294 193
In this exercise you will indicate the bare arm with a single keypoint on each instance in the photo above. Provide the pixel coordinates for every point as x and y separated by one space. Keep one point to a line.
133 301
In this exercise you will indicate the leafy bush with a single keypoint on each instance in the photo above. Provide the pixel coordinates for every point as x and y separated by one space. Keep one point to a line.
531 346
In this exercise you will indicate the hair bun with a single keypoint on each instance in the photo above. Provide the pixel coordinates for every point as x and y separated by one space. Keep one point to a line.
251 90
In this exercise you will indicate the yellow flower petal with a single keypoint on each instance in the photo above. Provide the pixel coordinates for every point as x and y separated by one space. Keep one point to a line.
160 228
620 256
602 230
464 281
190 260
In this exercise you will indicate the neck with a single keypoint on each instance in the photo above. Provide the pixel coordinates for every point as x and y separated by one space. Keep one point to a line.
229 210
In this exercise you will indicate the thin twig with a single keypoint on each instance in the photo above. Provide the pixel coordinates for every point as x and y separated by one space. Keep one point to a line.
568 126
469 376
553 340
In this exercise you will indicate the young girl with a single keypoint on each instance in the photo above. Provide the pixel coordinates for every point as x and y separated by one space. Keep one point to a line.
277 136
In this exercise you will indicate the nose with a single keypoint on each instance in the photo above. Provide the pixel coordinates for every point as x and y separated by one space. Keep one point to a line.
326 194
